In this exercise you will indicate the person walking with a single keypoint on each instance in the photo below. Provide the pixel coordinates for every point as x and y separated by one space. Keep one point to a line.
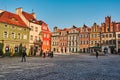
97 54
23 55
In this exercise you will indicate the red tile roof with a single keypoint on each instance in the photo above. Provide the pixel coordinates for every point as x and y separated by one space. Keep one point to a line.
30 17
11 18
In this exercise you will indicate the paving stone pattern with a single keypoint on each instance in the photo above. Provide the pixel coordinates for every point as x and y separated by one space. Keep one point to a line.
61 67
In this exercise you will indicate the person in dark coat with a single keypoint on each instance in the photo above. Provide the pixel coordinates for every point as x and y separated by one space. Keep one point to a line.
23 56
51 54
97 54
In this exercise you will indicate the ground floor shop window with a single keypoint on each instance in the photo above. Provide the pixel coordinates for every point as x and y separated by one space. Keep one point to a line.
7 49
16 49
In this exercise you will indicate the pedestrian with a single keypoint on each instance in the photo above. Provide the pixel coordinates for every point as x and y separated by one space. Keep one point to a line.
51 54
97 54
44 54
23 55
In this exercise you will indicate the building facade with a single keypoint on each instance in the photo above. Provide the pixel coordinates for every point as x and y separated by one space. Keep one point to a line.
14 33
55 40
108 35
117 31
34 37
84 39
73 40
45 36
63 40
95 39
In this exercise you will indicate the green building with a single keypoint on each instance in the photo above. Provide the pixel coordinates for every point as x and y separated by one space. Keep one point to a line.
14 34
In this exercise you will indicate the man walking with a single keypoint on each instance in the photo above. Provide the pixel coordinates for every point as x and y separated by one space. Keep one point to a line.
97 54
23 55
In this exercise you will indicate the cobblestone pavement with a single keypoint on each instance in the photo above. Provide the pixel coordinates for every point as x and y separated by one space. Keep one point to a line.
61 67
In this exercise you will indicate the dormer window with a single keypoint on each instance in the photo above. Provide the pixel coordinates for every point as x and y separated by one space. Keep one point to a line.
6 26
14 19
32 20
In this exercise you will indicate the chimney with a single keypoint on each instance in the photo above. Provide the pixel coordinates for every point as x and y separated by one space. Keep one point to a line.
34 15
18 10
1 10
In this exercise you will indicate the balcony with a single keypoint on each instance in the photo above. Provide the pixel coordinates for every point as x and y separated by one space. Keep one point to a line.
38 42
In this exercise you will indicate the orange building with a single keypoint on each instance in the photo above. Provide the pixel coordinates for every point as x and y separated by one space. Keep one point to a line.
95 37
45 36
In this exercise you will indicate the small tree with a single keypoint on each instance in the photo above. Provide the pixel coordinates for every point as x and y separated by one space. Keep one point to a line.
1 48
20 49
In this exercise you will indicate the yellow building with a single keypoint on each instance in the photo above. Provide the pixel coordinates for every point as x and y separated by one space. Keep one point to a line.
13 33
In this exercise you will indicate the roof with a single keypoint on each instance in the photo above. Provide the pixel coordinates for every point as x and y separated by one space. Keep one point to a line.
42 22
11 18
44 26
30 17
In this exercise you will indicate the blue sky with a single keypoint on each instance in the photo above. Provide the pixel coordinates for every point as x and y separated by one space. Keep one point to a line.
66 13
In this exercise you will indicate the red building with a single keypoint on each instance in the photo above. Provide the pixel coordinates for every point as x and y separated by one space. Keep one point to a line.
63 40
45 36
84 39
109 29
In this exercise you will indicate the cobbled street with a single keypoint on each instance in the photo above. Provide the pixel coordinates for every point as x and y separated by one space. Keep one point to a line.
61 67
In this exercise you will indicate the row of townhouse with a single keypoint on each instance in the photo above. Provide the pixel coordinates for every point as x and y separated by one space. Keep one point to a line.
22 30
87 39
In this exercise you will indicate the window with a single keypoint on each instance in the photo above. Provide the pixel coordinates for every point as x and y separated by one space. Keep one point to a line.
114 34
47 42
118 42
114 41
110 41
31 28
103 35
24 36
19 36
6 26
36 29
35 37
110 35
107 42
108 30
94 29
5 34
118 35
13 35
91 42
106 35
31 37
47 35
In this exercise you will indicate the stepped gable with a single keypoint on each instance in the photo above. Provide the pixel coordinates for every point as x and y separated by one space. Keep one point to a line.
44 25
11 18
30 17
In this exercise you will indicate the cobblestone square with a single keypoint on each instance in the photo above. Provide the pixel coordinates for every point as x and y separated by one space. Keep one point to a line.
61 67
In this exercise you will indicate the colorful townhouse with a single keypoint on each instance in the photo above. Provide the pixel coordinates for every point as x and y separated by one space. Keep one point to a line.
108 35
14 33
95 39
73 40
30 20
84 39
117 31
55 40
63 40
45 36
